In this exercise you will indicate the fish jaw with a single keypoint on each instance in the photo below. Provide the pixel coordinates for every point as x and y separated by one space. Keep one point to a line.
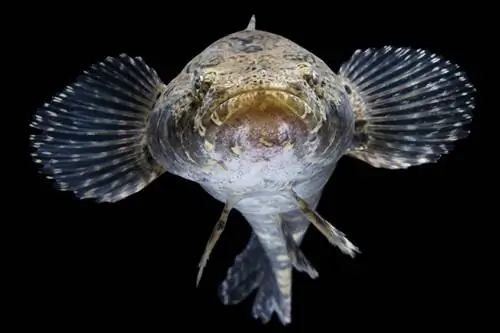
261 124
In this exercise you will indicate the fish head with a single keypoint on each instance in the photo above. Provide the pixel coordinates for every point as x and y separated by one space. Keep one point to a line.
268 110
262 105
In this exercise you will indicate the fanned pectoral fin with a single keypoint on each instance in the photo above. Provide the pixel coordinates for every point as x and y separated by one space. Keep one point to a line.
214 237
334 236
410 106
92 137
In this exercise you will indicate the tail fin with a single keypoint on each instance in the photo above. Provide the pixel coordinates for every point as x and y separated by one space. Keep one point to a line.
410 106
269 300
252 269
246 274
93 134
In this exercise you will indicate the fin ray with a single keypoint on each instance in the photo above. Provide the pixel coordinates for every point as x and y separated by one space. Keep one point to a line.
245 275
253 270
92 139
251 24
410 106
267 301
299 260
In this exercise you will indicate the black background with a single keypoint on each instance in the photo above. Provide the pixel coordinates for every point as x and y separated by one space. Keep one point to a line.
132 265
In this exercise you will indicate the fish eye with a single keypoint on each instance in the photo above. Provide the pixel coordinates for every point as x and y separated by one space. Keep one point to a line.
310 76
314 81
198 82
203 82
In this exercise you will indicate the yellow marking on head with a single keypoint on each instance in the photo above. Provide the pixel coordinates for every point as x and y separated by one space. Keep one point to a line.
189 157
288 145
210 164
236 150
265 143
317 128
221 166
215 118
208 145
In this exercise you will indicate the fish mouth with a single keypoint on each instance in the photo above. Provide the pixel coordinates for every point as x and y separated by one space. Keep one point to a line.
261 90
261 119
282 100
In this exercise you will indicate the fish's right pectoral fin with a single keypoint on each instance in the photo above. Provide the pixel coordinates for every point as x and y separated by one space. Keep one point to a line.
92 138
410 106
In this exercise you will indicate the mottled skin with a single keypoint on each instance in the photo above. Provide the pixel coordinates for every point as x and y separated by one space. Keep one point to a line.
256 115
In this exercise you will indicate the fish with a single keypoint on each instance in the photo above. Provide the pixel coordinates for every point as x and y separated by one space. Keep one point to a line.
260 123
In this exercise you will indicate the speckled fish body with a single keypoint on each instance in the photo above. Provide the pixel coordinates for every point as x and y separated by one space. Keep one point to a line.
273 116
260 123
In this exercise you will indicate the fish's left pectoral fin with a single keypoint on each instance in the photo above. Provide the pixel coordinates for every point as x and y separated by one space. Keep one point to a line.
410 106
212 240
334 236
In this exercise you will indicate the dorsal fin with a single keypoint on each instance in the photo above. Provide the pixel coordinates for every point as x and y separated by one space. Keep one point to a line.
251 24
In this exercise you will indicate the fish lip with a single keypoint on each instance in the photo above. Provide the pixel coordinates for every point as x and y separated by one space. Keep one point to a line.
239 93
